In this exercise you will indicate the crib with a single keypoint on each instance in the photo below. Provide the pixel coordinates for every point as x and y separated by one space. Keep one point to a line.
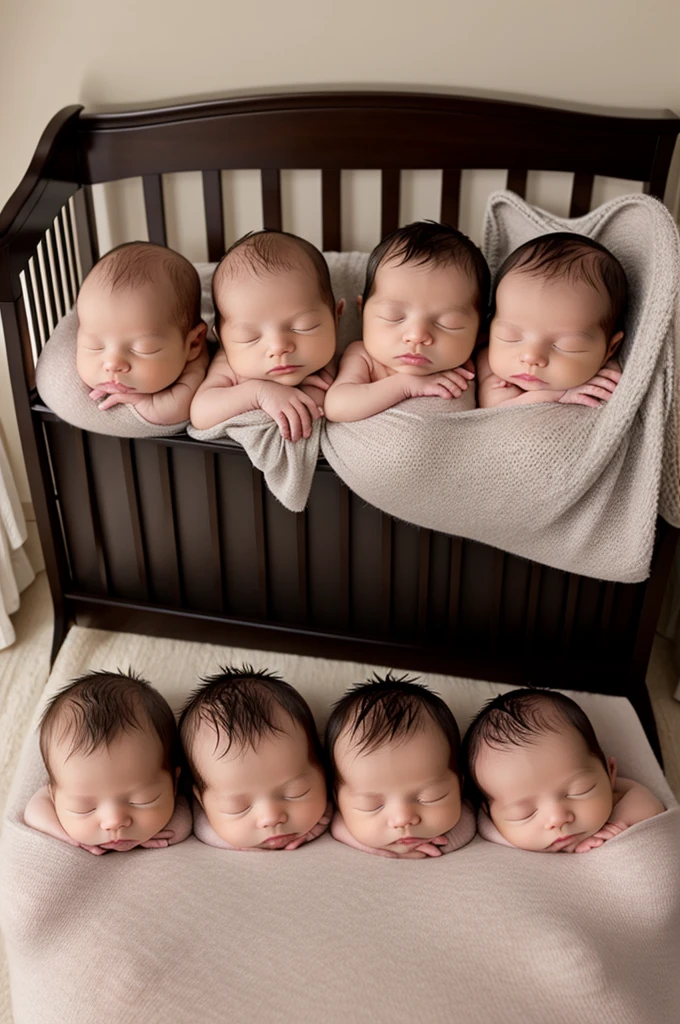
174 537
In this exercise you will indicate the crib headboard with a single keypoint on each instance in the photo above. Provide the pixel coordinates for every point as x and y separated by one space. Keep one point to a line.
116 531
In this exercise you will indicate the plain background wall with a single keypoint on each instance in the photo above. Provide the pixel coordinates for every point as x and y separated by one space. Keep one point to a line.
615 52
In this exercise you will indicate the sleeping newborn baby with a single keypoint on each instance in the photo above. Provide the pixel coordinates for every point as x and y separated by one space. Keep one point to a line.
110 746
251 744
557 320
276 321
538 774
424 298
141 340
392 750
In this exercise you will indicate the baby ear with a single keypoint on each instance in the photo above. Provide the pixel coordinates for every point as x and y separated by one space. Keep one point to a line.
360 303
339 310
196 340
611 768
195 791
614 343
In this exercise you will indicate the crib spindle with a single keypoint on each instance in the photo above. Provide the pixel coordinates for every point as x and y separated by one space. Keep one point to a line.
386 530
86 230
301 536
61 260
155 211
330 206
455 579
570 610
344 583
517 182
581 194
133 503
70 252
48 279
496 597
161 524
271 198
450 202
424 546
214 214
532 605
260 540
32 312
389 201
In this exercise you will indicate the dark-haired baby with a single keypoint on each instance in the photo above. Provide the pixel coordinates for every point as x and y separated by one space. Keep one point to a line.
392 751
110 745
557 320
425 294
537 773
141 339
258 781
276 321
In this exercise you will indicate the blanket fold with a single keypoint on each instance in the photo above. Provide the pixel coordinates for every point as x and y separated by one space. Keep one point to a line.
572 487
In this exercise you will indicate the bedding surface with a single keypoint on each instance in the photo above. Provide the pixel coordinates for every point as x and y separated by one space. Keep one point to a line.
193 934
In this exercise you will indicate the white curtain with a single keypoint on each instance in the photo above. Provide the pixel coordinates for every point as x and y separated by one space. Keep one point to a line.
15 569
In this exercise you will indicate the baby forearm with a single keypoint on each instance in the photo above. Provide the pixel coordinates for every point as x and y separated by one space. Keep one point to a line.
492 398
346 403
166 407
214 405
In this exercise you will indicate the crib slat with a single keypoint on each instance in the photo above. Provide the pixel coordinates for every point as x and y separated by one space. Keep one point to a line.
330 206
33 312
62 263
260 539
517 182
303 577
214 214
570 610
48 283
495 596
36 290
71 251
271 198
344 583
158 505
456 566
389 201
450 203
86 229
386 562
132 492
532 604
581 194
155 211
424 545
607 608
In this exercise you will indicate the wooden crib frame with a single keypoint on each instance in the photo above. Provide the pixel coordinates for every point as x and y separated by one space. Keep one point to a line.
179 538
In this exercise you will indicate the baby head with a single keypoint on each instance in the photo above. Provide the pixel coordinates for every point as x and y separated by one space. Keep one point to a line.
275 314
534 764
392 751
557 312
250 741
139 319
425 296
110 745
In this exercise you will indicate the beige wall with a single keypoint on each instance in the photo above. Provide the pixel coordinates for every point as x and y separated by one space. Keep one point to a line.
615 52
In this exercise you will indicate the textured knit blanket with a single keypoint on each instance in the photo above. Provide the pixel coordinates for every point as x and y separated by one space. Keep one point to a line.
572 487
196 935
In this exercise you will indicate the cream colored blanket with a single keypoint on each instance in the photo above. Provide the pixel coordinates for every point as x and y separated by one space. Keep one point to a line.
195 935
568 486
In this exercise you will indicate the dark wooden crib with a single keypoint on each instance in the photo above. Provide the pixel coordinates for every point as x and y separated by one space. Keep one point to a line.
180 538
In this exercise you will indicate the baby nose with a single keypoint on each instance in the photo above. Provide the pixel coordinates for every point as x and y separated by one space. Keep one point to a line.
558 815
533 357
417 333
271 812
280 343
115 362
402 815
115 817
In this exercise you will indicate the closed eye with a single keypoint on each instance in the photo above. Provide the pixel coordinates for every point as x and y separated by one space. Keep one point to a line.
145 803
585 791
299 797
519 821
153 352
369 810
508 341
446 327
234 813
82 812
305 330
436 801
388 320
570 351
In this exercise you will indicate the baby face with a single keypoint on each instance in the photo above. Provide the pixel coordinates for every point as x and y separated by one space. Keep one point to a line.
116 796
126 342
261 797
547 795
421 319
399 795
548 335
276 327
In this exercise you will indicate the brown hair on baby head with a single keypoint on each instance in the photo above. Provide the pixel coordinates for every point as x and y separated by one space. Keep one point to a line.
136 264
383 710
94 709
515 719
563 255
239 704
430 243
270 252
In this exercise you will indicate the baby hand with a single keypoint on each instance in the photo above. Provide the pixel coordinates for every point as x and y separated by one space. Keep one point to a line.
290 408
117 398
608 831
597 390
448 384
323 380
